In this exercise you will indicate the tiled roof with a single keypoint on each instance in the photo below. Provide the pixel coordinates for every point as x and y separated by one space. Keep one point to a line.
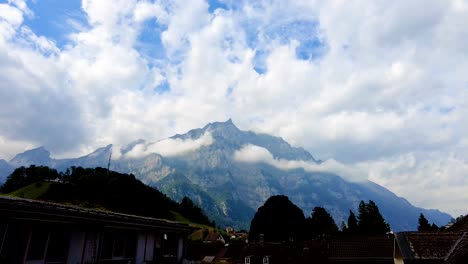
19 208
361 247
426 245
208 259
459 252
212 236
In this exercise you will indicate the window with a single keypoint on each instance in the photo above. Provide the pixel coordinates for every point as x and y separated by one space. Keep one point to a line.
15 239
42 242
266 260
118 245
37 244
58 246
247 260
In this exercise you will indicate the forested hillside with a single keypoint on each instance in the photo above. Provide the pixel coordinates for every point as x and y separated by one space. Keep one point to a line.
99 188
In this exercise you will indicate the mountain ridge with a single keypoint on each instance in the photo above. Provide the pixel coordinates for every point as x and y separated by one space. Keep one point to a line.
231 190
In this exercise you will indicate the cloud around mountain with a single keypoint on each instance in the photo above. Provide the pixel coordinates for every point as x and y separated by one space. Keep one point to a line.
169 147
253 154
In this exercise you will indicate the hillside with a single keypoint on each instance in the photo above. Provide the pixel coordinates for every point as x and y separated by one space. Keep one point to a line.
99 188
230 173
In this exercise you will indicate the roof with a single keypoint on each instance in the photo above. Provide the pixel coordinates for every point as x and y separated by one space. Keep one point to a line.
286 252
208 259
212 236
459 251
26 209
426 245
361 248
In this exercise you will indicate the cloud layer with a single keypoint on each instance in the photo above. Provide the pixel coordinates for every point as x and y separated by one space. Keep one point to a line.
169 147
254 154
368 84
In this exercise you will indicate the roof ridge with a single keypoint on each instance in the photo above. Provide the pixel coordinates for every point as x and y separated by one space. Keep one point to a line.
452 252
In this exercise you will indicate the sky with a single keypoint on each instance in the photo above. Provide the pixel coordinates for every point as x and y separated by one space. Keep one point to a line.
378 87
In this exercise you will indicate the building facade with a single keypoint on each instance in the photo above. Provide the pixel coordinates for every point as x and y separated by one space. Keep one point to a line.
35 232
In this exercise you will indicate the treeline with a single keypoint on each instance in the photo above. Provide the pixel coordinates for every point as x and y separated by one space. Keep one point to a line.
101 188
281 220
424 226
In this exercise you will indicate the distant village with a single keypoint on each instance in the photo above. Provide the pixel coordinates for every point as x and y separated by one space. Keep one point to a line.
43 221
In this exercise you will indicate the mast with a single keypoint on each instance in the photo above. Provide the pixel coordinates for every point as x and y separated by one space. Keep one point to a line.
109 162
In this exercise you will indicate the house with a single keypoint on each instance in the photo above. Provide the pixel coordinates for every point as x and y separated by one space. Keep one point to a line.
458 254
423 247
214 236
445 247
360 249
42 232
280 253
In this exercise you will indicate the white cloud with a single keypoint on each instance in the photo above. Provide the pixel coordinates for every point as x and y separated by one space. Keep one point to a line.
430 180
255 154
145 10
10 19
184 19
170 147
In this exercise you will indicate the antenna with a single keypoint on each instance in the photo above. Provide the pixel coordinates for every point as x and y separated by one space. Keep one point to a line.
108 163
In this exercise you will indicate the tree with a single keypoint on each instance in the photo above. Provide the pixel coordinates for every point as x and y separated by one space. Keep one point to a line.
278 220
344 228
370 221
189 209
22 177
352 223
434 227
321 223
423 223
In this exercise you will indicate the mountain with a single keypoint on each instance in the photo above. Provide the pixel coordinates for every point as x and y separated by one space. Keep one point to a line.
5 170
34 156
230 173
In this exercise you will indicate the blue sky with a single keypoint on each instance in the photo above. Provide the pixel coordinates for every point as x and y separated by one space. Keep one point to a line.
379 88
51 18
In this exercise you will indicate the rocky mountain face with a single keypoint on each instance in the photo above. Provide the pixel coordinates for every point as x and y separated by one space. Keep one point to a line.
229 187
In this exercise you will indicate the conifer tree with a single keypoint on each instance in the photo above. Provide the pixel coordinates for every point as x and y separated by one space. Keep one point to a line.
321 223
344 228
423 223
370 221
352 223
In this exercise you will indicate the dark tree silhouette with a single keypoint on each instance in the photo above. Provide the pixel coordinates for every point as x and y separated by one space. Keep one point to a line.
321 223
22 177
278 220
352 223
434 227
193 212
344 228
370 221
423 223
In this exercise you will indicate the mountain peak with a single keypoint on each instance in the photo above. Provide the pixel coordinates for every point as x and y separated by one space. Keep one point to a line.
226 124
39 156
101 151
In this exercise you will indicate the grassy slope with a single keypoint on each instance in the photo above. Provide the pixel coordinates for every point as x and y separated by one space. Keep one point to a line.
32 191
